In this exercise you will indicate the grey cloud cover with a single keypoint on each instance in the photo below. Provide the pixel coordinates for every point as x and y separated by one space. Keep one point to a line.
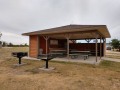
19 16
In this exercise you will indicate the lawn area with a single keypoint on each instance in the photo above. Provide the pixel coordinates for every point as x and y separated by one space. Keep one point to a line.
113 54
66 76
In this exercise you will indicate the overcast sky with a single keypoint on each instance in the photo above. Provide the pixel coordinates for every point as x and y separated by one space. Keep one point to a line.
20 16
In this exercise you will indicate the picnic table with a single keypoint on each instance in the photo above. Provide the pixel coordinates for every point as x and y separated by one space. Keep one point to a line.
73 56
80 51
76 54
58 53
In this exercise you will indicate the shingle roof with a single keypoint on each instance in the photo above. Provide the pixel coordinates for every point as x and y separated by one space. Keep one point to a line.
102 29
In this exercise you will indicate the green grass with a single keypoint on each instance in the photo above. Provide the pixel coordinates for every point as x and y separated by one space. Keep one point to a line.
110 65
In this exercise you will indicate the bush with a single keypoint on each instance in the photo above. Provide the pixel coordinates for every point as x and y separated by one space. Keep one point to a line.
115 43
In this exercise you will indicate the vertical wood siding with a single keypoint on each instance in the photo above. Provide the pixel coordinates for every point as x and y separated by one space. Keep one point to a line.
33 51
42 44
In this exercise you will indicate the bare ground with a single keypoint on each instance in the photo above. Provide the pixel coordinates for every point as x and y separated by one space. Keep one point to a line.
66 76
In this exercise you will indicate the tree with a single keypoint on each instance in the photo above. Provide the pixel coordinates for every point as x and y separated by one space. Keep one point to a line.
115 43
0 42
4 44
10 44
25 44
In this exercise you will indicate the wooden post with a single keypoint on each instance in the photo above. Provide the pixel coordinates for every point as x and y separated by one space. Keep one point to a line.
46 38
46 45
104 46
67 47
67 37
96 49
100 48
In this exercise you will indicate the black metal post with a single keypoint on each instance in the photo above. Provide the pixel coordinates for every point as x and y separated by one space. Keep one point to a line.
47 60
19 60
46 63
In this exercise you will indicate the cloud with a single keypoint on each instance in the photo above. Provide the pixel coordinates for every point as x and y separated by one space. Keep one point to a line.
13 38
19 16
11 34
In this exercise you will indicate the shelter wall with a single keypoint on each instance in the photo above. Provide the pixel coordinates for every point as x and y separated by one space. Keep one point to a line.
33 50
61 44
86 47
37 44
42 44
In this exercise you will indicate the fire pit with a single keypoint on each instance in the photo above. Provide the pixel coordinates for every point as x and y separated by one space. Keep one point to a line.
19 55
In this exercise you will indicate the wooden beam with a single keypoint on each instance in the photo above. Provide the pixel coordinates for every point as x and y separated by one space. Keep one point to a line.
88 40
104 42
46 38
71 33
100 34
75 35
96 49
67 36
68 48
100 48
74 41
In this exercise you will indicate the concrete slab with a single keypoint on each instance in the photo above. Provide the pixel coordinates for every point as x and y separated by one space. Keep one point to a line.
90 60
47 69
20 64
